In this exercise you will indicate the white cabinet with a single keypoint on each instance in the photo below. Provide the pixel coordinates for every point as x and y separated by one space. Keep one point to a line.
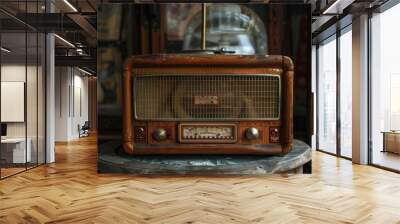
17 147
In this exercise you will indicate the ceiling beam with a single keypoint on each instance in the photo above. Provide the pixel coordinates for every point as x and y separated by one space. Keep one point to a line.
84 24
78 61
337 7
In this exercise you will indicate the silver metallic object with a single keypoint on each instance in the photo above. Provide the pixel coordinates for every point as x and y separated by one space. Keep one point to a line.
160 134
252 133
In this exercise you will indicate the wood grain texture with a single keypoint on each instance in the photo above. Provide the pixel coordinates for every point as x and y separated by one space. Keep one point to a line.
71 191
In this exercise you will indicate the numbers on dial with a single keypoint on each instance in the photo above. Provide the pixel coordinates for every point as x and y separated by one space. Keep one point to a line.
208 132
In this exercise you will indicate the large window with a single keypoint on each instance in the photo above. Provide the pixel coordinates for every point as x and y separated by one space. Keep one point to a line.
327 96
346 93
334 94
385 89
22 77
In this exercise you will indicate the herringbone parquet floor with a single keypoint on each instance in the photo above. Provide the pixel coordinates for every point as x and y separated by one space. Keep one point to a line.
70 191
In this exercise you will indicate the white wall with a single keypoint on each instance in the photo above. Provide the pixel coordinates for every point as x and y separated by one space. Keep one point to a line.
13 101
80 111
71 102
33 126
61 103
16 73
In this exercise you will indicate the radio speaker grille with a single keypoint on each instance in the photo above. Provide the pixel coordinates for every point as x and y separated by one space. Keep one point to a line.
207 97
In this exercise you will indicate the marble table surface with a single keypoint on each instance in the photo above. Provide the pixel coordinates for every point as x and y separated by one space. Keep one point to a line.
111 162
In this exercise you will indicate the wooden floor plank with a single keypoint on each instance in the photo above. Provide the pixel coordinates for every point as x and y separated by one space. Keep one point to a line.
71 191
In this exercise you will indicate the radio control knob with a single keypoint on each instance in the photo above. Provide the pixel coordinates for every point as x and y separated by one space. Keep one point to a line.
252 133
160 134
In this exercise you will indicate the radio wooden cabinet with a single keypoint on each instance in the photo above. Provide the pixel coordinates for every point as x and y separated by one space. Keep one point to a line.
208 104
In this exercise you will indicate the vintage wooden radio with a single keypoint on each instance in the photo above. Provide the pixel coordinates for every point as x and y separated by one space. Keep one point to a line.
208 104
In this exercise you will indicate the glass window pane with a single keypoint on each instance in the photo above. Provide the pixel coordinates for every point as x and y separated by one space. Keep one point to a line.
31 96
346 94
181 20
14 153
385 114
327 96
23 84
234 27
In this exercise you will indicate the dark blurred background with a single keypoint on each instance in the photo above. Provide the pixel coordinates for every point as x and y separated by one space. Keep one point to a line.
125 30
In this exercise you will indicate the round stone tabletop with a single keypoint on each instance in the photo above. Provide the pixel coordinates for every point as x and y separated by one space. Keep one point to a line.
205 164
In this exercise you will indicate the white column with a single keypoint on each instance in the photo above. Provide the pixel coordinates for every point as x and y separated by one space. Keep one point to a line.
50 100
360 90
62 103
314 90
50 92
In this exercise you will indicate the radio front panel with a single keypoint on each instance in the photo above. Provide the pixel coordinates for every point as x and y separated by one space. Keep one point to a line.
206 132
215 104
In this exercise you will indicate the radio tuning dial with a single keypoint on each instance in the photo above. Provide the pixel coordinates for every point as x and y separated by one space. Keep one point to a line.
252 133
160 134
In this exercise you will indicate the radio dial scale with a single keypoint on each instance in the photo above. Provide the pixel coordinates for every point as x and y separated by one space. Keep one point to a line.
207 133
